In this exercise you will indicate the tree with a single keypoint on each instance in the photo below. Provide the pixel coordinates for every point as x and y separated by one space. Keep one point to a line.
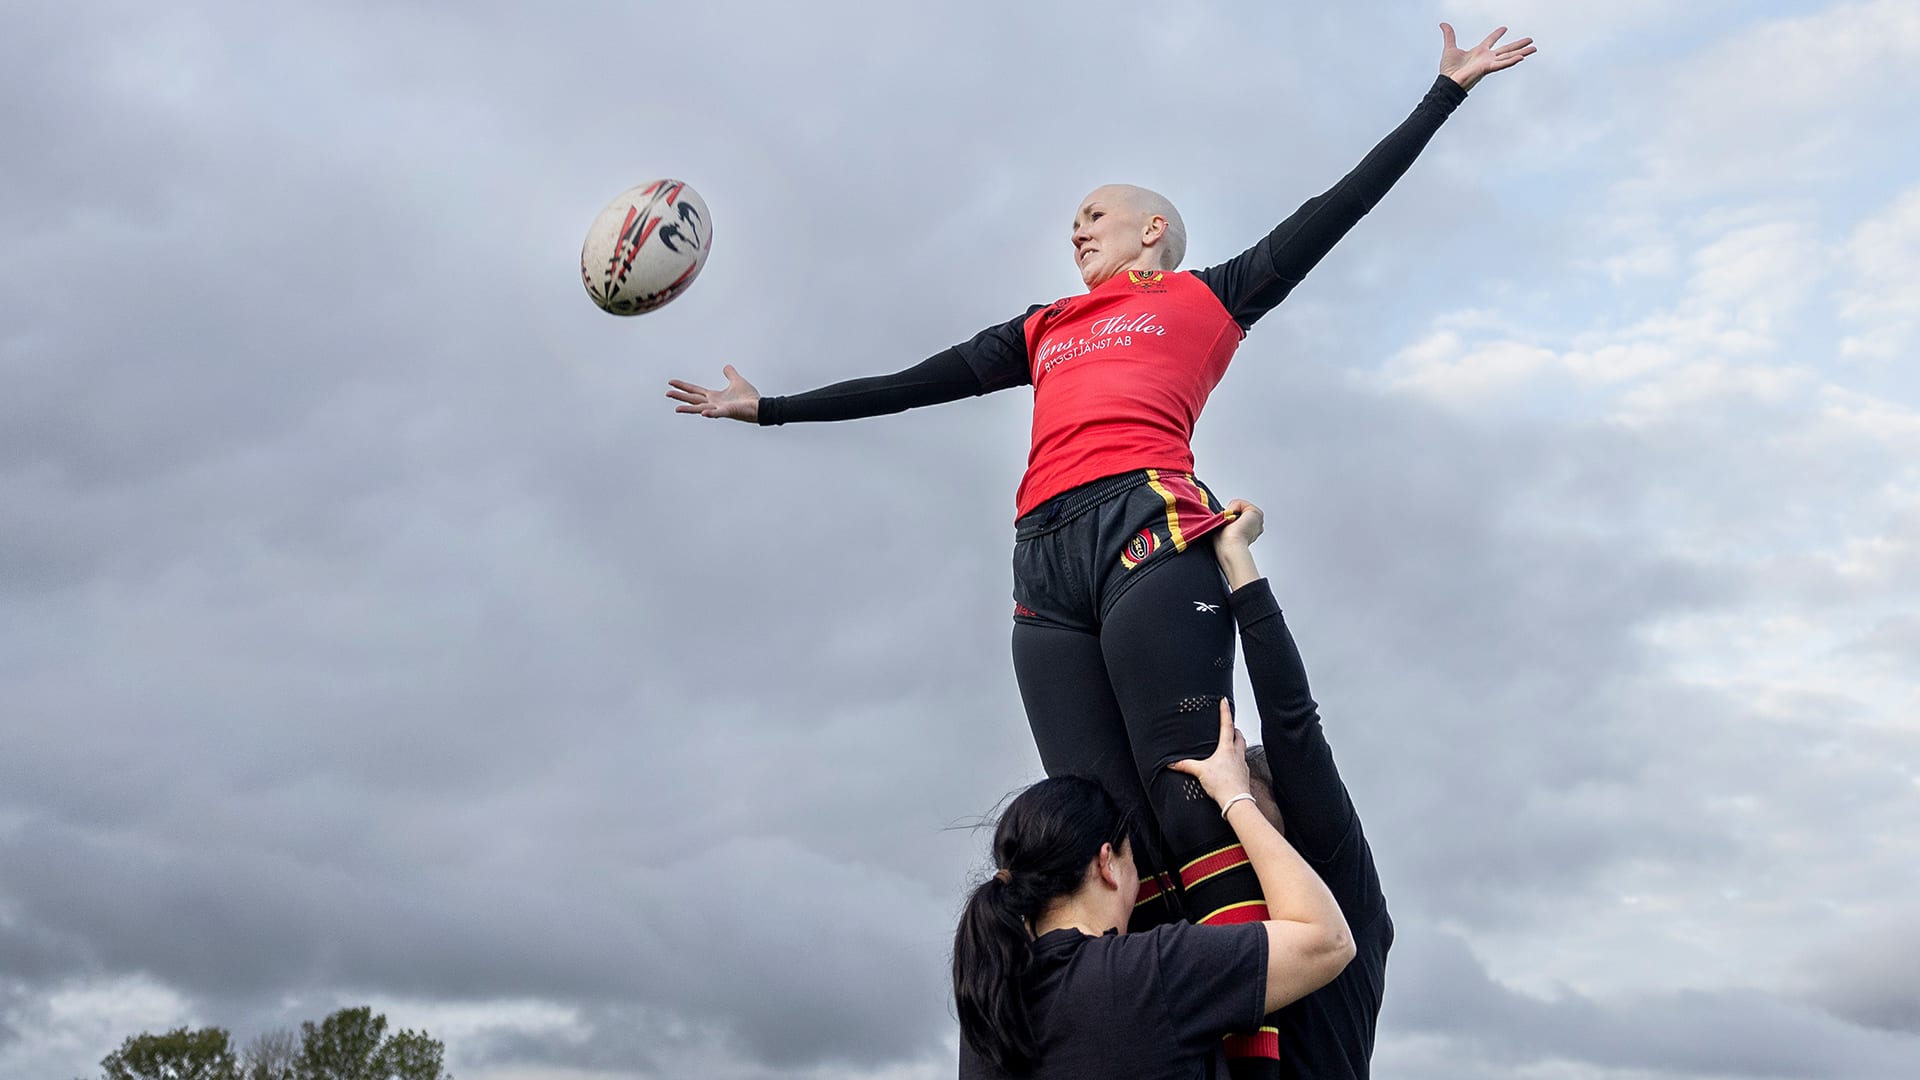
274 1055
411 1055
352 1044
180 1054
342 1046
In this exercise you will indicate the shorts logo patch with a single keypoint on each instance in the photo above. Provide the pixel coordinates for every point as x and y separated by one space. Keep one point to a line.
1142 545
1020 609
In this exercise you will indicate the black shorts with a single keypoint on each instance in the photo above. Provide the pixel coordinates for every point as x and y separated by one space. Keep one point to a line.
1080 551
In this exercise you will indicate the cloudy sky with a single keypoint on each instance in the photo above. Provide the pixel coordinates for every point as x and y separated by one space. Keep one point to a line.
371 629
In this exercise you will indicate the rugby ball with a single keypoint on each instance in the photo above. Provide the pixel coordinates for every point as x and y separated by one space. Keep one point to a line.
646 247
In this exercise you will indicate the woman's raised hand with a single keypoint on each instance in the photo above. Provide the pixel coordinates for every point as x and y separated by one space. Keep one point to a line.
737 400
1469 66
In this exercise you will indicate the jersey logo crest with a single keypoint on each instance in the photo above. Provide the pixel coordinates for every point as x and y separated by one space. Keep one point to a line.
1148 279
1142 545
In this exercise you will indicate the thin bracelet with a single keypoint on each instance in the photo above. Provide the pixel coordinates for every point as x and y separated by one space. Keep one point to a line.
1228 805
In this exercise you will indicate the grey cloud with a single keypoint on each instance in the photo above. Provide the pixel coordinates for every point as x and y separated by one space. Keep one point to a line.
1870 978
1685 1033
1509 722
370 623
1895 640
15 997
685 936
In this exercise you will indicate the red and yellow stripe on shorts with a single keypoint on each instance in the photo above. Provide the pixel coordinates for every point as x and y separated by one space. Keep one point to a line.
1190 516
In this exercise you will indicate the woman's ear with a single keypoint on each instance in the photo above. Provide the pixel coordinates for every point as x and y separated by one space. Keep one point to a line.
1155 231
1104 863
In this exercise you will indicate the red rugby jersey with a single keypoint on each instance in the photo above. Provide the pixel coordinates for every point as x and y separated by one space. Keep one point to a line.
1120 375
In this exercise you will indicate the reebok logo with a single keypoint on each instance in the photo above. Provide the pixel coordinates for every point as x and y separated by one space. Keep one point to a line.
1201 605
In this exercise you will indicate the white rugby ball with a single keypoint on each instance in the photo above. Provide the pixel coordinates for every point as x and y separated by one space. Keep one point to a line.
646 247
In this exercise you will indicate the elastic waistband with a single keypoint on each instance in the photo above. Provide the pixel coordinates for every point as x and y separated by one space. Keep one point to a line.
1073 502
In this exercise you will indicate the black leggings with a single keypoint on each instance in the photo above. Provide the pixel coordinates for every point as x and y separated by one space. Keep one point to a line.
1122 704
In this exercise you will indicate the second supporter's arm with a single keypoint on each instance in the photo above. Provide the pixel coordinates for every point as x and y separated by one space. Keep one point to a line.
1312 798
1308 942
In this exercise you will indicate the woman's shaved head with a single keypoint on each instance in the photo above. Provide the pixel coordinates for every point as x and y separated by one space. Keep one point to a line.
1173 246
1123 227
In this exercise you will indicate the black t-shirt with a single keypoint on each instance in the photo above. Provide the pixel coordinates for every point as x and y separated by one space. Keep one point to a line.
1329 1034
1151 1006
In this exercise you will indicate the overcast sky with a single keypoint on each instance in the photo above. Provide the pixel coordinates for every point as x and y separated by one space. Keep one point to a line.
372 630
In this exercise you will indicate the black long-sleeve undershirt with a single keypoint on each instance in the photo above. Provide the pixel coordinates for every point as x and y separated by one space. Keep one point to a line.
1313 800
1254 282
1249 285
944 376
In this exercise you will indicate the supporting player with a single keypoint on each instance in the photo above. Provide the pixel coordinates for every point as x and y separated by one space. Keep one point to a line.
1049 983
1122 643
1328 1034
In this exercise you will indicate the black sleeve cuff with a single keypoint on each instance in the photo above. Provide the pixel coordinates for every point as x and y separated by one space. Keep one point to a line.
1446 93
772 411
1254 601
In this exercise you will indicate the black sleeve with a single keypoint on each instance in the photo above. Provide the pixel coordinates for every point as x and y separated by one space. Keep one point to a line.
1213 979
994 359
1314 805
998 354
1253 282
942 377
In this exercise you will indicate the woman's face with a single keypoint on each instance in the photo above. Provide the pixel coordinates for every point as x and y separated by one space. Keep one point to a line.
1107 235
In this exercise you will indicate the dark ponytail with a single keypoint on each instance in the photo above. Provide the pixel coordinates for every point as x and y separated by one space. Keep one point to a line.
1042 847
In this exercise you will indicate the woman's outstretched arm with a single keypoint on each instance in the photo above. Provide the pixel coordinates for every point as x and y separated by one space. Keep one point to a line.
1255 281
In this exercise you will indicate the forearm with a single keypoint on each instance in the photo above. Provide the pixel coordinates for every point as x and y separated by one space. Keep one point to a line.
1303 239
1236 562
942 377
1312 798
